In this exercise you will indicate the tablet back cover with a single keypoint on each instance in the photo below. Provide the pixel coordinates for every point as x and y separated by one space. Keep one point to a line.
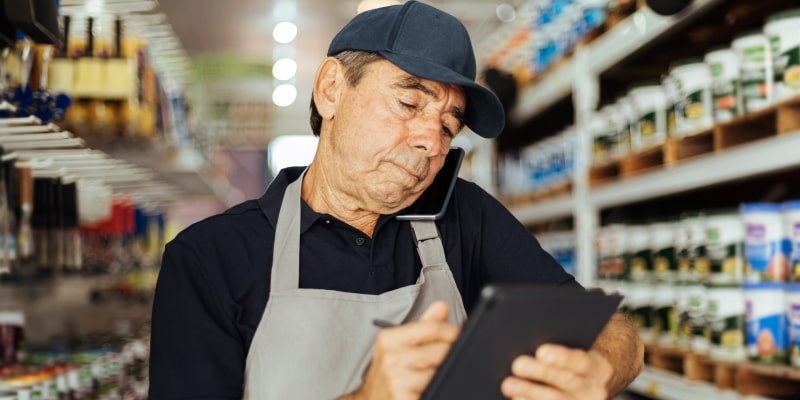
510 321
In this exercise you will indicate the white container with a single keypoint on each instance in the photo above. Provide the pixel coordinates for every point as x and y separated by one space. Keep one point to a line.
673 101
694 108
783 30
724 241
640 303
639 253
791 232
763 243
699 265
793 313
694 318
766 326
602 138
627 122
725 74
617 131
664 305
662 243
650 102
757 74
611 252
725 318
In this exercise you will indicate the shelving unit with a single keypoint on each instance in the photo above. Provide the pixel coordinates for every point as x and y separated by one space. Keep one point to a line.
755 147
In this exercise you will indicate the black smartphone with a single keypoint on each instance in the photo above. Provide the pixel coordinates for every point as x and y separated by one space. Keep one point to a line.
432 204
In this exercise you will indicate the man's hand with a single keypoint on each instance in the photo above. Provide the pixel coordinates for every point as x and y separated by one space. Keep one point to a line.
405 357
557 372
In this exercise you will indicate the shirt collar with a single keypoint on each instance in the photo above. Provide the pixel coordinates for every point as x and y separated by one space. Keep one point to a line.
270 202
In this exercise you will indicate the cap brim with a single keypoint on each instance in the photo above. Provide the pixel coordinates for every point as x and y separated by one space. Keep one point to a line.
484 113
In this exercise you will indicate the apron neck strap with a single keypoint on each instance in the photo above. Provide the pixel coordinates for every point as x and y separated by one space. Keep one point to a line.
429 244
286 251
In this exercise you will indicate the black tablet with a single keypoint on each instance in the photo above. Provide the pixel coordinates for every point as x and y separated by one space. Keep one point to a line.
510 321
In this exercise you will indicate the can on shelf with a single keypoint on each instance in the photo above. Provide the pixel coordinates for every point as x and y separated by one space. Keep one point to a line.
764 242
639 253
757 77
725 322
694 109
650 102
783 30
662 241
664 306
791 218
639 301
725 76
693 318
793 312
766 326
724 239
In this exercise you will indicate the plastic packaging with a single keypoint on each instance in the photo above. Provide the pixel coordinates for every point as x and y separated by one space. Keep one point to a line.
793 312
783 30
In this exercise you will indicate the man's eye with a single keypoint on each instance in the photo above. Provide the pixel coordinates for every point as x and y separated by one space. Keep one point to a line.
408 105
447 131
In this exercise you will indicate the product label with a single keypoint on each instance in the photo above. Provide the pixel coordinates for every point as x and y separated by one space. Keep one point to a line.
755 78
786 65
640 266
794 332
725 100
766 337
726 332
647 126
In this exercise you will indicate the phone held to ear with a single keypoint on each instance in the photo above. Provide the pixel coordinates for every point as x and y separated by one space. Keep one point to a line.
432 204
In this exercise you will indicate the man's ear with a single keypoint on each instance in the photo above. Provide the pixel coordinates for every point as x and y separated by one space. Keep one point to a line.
327 86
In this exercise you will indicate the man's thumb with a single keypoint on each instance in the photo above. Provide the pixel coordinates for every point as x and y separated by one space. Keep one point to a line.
435 312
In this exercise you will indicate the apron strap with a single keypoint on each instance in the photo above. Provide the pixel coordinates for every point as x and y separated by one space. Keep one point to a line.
429 244
286 253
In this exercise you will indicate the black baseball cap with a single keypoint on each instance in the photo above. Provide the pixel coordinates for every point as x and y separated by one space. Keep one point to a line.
428 43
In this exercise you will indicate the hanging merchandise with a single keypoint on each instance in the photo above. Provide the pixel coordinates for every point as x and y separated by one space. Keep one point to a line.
650 102
783 30
724 237
766 322
101 110
763 246
726 323
753 49
87 84
12 336
694 109
37 18
25 242
725 81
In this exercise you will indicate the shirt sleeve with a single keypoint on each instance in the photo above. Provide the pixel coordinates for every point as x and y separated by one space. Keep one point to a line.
511 253
195 351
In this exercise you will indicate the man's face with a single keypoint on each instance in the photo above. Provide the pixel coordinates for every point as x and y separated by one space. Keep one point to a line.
390 134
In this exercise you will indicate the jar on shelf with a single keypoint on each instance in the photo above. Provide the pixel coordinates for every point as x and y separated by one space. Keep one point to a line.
724 238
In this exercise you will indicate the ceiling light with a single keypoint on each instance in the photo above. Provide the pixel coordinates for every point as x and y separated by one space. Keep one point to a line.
284 69
284 32
284 95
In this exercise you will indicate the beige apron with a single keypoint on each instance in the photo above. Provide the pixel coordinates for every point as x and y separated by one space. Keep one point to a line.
316 344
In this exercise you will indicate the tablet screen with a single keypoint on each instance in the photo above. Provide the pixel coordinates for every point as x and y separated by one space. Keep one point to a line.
510 321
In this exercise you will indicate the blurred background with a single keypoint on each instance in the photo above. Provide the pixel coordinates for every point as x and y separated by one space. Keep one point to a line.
651 146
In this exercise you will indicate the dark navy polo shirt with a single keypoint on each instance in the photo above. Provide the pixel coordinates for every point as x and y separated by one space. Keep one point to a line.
215 277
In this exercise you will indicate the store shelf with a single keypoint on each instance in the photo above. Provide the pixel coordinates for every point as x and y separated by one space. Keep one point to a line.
665 385
558 207
609 49
764 156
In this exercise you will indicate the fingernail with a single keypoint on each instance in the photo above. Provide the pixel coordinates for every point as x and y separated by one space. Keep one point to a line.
545 353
